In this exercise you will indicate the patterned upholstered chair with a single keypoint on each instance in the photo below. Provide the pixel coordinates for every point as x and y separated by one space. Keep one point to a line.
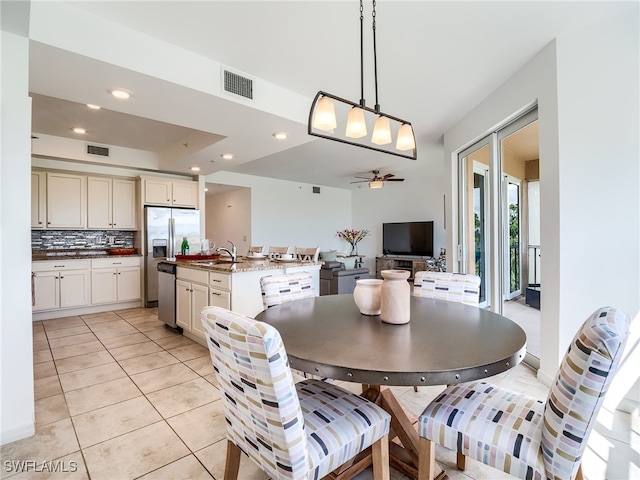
307 254
278 289
454 287
518 434
275 252
256 249
291 431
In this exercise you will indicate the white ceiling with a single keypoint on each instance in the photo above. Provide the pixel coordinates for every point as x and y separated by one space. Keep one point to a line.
436 61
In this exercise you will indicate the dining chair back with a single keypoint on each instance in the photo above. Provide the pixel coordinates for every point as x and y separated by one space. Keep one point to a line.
278 289
454 287
276 252
291 431
519 434
257 249
306 254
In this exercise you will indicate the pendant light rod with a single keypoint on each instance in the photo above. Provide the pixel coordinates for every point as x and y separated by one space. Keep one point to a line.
362 102
375 59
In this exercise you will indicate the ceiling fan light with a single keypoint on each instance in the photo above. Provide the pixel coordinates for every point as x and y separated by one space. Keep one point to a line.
325 116
356 126
381 131
406 139
377 183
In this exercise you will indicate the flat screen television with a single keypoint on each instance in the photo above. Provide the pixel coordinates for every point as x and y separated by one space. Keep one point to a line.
408 238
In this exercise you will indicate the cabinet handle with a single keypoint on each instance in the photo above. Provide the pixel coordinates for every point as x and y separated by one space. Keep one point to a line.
34 274
39 223
58 266
357 277
216 280
113 224
216 293
61 276
116 263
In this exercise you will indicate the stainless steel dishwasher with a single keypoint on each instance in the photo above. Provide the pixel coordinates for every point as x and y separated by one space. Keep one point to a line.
167 294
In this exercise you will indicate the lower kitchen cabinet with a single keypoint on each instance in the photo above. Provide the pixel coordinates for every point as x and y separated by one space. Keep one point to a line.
115 280
192 295
64 284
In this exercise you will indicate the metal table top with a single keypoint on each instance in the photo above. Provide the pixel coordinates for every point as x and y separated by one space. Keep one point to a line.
444 343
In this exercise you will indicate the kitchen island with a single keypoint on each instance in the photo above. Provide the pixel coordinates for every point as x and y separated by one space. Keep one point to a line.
231 285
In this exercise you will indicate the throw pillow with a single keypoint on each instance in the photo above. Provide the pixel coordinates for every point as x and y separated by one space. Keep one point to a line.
329 256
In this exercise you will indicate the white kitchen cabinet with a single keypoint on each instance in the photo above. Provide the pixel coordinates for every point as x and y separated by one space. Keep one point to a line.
115 280
111 203
173 193
184 194
64 284
66 200
38 199
192 295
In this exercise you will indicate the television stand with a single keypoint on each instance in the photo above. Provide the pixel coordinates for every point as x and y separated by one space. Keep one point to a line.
410 264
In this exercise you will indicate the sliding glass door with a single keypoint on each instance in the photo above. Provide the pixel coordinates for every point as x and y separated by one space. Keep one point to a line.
499 223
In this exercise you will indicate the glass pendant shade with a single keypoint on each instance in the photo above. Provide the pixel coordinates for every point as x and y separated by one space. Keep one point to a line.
325 116
405 141
376 184
381 131
356 126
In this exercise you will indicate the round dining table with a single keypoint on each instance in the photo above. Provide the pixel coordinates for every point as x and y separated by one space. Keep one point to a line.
443 343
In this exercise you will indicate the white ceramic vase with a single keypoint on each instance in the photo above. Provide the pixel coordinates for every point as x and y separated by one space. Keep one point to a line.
395 297
366 294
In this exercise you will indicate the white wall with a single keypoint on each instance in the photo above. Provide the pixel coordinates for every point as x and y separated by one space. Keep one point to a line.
419 198
586 87
16 347
289 213
229 218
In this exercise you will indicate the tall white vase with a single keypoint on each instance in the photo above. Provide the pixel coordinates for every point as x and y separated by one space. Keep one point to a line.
395 297
366 294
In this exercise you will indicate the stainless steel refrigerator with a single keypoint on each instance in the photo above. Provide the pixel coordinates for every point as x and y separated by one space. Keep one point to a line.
164 230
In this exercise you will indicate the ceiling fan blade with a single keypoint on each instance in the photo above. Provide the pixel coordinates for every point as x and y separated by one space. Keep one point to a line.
387 176
360 181
395 180
366 178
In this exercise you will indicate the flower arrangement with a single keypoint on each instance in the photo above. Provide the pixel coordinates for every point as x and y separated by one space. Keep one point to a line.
353 237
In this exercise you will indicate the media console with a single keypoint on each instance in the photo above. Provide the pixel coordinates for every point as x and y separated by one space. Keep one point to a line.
411 264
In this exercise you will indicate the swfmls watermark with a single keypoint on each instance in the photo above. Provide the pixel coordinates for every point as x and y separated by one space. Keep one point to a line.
19 466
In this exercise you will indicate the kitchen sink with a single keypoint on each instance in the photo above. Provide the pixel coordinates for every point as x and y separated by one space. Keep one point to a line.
210 263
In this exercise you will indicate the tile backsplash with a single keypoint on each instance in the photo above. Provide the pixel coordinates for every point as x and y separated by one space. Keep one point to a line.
80 239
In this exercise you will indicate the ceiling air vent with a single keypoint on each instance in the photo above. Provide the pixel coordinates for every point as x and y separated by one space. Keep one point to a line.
97 150
237 84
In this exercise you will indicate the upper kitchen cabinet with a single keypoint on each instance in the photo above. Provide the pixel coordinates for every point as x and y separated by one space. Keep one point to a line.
111 203
66 200
172 193
38 199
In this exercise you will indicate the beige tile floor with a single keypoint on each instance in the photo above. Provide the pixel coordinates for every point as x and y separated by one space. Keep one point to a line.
119 396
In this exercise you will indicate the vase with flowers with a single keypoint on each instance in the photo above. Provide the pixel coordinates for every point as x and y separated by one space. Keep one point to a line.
353 237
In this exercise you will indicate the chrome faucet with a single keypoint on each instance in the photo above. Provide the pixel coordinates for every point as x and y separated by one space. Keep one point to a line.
233 252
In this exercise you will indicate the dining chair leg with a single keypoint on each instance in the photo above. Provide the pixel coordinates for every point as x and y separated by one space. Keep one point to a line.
426 459
380 458
579 473
461 461
415 389
232 463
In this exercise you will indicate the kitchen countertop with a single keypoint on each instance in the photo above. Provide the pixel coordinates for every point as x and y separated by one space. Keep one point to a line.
242 265
38 255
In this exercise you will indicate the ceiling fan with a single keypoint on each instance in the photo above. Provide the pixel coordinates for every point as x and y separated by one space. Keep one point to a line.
378 181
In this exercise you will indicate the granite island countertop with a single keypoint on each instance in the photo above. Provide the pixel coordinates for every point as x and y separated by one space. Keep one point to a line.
244 264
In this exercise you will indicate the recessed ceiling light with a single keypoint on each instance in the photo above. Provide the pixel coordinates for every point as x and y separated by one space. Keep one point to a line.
195 169
93 107
79 130
281 135
227 156
120 93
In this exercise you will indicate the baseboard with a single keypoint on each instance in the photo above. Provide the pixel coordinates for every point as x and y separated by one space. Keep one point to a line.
68 312
17 433
544 378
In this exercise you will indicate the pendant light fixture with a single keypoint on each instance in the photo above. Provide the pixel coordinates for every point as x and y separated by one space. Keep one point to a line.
324 123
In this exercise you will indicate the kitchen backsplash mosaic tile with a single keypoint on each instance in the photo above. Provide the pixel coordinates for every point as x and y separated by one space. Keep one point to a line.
80 239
